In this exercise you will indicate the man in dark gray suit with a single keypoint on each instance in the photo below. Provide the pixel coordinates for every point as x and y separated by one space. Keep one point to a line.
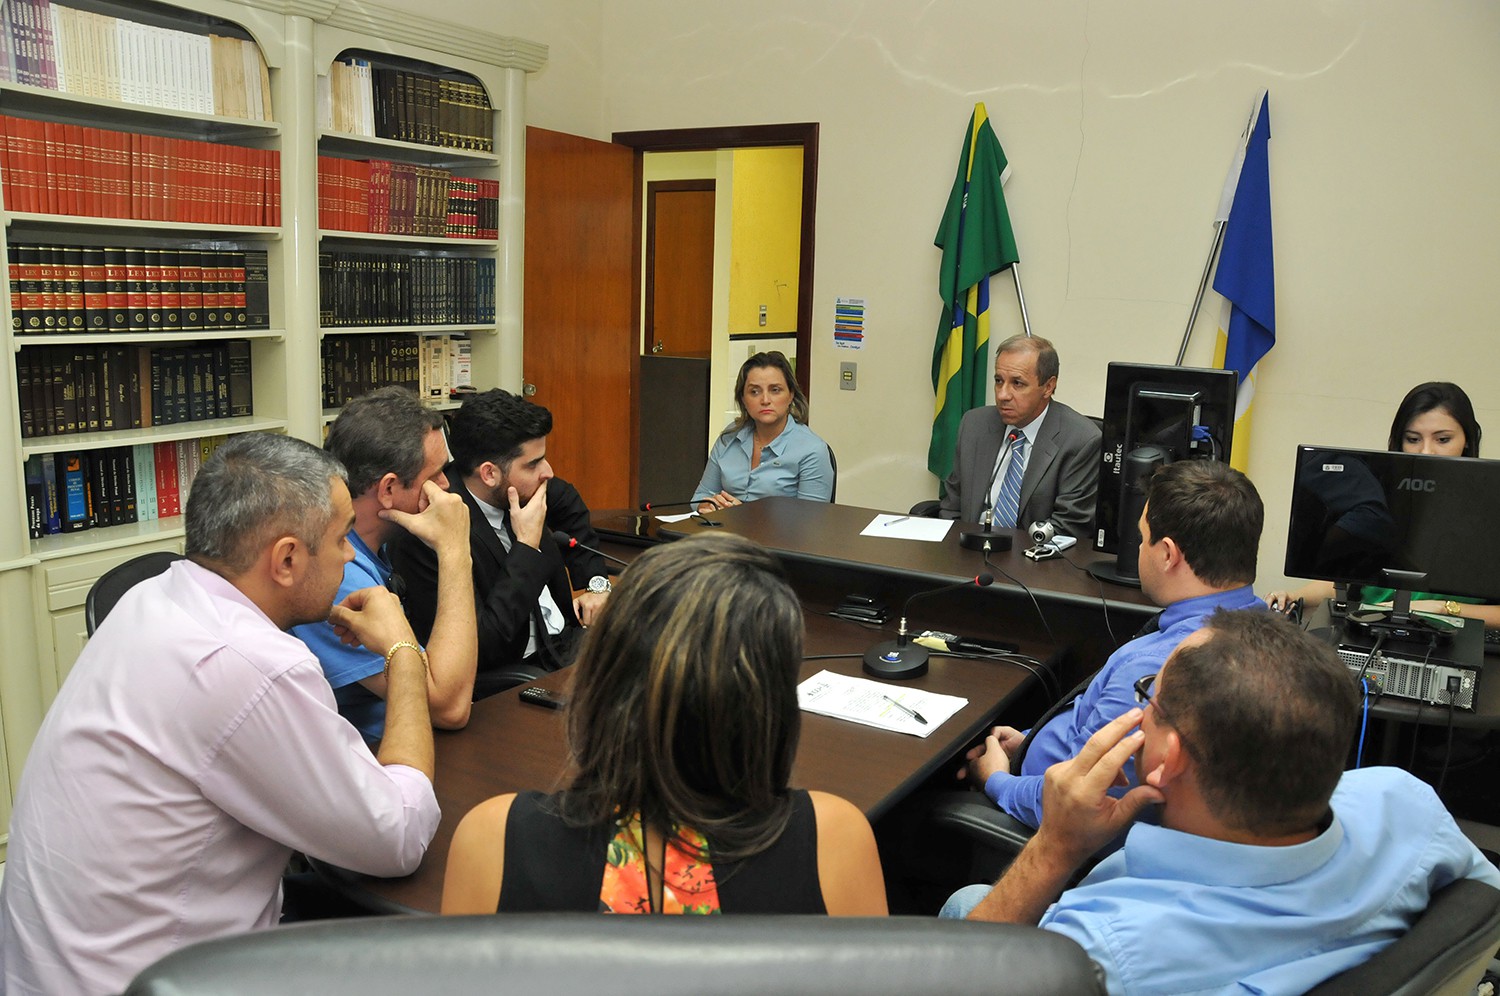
1029 458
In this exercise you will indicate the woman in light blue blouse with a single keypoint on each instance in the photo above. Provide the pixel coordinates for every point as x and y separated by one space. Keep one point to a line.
768 450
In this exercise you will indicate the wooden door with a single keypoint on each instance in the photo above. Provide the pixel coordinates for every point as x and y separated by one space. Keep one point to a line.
679 267
582 257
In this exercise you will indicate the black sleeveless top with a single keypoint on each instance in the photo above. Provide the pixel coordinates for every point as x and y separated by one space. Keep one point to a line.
553 867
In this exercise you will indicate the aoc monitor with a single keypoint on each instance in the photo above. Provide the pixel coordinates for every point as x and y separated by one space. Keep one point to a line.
1395 520
1186 413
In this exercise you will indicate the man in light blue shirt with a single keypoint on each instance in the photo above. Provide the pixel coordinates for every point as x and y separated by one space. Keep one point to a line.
1200 532
1271 869
768 450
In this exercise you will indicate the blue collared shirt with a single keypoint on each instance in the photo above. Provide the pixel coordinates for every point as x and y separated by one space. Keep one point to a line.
345 666
1177 913
1109 695
794 464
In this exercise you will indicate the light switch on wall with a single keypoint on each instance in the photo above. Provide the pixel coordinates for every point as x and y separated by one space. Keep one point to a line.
848 376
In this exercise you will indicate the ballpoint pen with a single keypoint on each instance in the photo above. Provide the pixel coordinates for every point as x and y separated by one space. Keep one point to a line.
899 518
906 709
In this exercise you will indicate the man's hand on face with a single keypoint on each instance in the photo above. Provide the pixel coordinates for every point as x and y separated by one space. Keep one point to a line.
1079 814
443 525
528 521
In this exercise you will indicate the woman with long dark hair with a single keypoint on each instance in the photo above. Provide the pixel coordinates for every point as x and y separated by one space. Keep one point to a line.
1435 419
682 727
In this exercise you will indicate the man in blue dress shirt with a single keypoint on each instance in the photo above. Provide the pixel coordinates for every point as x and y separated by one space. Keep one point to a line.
1200 532
1271 869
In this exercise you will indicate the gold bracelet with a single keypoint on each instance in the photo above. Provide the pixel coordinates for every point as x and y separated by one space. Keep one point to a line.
409 646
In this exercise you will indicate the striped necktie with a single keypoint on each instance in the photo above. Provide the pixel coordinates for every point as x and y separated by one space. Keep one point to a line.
1008 506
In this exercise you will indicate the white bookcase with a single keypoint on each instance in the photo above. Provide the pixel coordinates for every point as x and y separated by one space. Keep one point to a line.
43 582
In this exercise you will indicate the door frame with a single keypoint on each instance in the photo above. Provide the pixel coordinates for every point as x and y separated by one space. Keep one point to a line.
804 134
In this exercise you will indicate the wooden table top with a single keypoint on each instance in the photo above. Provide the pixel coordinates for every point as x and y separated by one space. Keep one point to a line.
509 746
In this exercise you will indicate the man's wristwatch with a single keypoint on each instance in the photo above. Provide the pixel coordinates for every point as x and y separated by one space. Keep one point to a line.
600 585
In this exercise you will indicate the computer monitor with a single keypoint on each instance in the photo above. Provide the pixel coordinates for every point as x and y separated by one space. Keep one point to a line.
1395 520
1187 413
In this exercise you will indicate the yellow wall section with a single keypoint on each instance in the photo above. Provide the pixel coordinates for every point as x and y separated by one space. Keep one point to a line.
764 242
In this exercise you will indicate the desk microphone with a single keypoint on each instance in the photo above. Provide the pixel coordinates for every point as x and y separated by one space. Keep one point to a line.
975 539
567 542
652 506
900 658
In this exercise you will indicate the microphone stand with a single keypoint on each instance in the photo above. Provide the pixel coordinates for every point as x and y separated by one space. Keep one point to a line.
899 659
987 538
567 542
651 506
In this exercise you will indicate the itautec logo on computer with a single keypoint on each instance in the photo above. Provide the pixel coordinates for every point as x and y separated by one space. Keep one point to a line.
1416 484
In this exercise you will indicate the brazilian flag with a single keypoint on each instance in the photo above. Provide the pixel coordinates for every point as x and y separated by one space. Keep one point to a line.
977 241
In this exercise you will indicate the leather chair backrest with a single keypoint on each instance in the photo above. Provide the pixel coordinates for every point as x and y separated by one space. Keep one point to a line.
1445 952
116 581
622 955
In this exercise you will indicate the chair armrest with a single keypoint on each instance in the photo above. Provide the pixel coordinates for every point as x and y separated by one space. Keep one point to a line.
976 817
926 509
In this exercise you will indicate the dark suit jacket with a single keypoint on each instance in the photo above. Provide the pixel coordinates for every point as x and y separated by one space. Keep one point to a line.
506 585
1062 474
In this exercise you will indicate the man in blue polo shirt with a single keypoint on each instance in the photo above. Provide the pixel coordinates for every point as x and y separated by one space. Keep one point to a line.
394 450
1200 532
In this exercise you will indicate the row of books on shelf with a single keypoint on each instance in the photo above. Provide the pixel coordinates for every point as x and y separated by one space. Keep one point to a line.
96 55
359 290
95 289
358 98
68 492
393 198
50 167
100 388
434 366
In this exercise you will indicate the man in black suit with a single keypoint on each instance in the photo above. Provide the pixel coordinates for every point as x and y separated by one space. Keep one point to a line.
525 607
1056 448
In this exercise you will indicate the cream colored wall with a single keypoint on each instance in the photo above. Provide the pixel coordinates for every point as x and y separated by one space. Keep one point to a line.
1119 120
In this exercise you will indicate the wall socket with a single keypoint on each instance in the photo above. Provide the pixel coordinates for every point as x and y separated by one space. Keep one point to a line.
762 316
848 376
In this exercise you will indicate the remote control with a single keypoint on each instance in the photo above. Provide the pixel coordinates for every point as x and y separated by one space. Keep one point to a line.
541 697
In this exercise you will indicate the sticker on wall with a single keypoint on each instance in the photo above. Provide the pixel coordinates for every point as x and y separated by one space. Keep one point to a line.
849 322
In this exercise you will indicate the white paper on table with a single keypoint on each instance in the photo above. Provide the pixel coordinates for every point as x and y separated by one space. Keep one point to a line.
860 700
908 527
676 518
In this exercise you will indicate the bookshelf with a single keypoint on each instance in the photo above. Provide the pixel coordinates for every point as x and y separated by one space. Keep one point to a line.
409 218
262 125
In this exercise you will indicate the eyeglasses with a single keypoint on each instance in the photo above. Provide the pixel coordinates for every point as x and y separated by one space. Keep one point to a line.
1143 694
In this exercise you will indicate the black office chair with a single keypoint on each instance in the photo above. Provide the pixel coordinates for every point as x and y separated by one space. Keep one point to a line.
833 492
1444 953
624 955
116 581
925 509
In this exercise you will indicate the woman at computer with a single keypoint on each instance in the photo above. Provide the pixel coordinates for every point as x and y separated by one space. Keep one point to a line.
1435 419
681 729
768 450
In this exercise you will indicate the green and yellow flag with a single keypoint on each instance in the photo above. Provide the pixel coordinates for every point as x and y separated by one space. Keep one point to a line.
977 241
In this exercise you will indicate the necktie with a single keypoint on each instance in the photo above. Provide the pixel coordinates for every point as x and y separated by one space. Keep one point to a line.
1009 504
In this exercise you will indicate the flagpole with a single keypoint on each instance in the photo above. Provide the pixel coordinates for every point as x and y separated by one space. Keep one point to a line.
1208 267
1015 274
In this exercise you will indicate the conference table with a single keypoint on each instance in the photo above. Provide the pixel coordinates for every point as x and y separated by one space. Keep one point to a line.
510 746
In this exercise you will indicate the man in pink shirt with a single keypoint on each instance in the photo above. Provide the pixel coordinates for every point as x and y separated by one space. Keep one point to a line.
196 744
